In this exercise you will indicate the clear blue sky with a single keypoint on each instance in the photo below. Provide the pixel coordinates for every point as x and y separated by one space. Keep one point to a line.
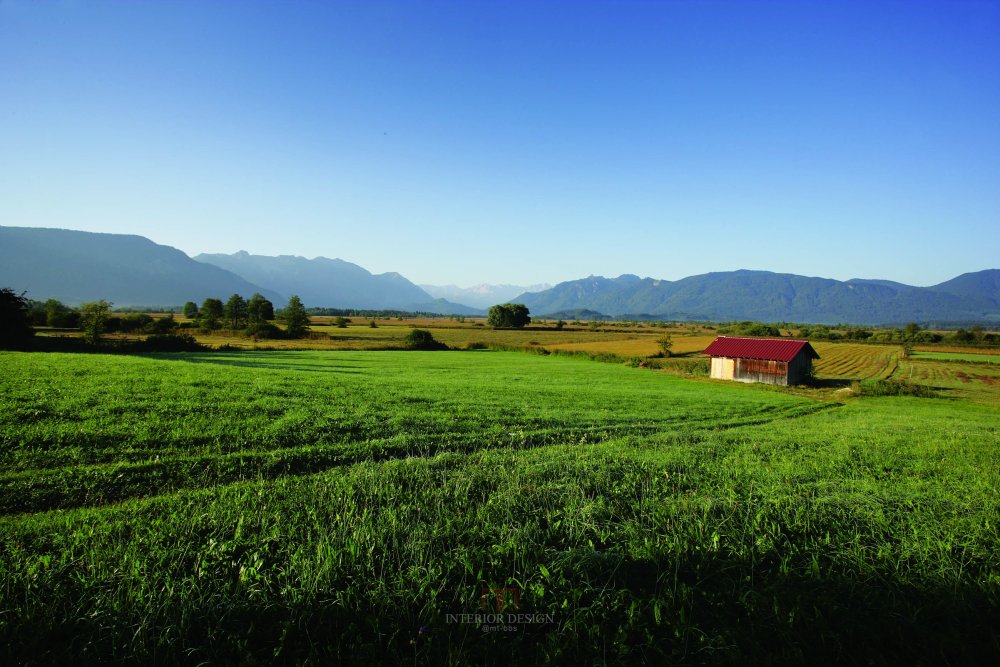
488 141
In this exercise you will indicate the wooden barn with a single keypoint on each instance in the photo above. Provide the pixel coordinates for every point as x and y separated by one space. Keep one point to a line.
770 360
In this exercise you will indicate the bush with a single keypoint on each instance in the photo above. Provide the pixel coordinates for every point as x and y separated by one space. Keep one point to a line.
665 342
891 388
421 339
508 316
748 328
169 343
266 331
15 321
161 326
133 322
476 345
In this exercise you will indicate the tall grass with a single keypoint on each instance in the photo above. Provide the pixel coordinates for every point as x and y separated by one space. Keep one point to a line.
365 507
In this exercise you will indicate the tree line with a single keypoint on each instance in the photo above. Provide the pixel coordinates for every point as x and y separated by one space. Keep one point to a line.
253 317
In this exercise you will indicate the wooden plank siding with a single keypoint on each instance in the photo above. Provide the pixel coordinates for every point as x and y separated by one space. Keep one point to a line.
799 369
723 368
761 370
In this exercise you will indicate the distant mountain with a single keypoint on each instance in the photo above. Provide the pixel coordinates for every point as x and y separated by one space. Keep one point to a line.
577 314
775 297
445 307
981 286
481 296
75 267
331 283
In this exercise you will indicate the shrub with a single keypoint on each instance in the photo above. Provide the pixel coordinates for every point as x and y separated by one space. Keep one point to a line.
15 322
891 388
169 343
665 342
421 339
161 325
508 316
265 330
134 322
476 345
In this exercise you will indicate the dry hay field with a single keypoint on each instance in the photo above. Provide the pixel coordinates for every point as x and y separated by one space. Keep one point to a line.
639 345
856 361
389 334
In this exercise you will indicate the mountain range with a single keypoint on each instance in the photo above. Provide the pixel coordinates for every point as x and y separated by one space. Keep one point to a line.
481 296
333 283
776 297
128 270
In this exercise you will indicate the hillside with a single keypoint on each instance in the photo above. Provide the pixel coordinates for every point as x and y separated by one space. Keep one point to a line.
127 270
981 286
766 296
332 283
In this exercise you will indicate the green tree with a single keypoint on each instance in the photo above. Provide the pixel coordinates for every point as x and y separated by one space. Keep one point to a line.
235 312
259 310
15 319
508 316
54 312
295 318
421 339
190 310
665 342
161 326
93 319
211 313
57 314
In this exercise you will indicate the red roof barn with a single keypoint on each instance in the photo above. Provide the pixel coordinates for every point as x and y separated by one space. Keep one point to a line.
771 360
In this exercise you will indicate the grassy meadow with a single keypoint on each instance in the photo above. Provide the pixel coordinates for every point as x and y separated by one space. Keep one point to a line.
489 507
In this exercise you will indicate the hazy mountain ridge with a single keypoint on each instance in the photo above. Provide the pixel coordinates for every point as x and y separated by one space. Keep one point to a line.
127 270
767 296
332 283
481 296
321 282
130 270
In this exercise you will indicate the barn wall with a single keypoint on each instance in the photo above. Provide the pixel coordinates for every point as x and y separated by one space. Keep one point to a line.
798 368
722 368
761 370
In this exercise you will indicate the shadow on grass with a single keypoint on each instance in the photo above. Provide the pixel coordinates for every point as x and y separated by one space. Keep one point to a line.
830 383
250 359
600 608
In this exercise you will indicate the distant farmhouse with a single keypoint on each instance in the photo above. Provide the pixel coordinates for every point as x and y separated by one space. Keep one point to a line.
770 360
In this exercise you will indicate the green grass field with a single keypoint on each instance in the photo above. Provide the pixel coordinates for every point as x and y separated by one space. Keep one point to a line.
364 507
959 356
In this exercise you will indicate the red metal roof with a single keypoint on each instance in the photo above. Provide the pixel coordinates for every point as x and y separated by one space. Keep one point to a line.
771 349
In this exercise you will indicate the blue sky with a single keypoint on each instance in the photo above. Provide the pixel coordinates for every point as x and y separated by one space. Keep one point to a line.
519 142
